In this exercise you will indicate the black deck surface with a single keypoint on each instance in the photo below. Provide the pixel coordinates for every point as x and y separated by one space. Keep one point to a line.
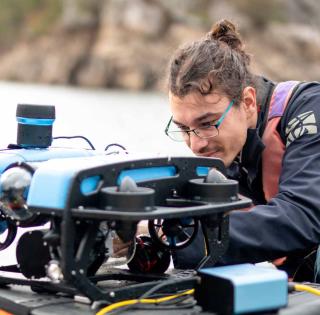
21 301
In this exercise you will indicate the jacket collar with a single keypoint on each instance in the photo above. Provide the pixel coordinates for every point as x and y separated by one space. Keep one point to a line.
249 160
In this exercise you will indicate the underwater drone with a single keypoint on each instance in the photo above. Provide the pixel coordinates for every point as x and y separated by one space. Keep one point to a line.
82 199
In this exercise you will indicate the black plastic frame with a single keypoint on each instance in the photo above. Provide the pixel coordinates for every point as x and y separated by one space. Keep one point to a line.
171 200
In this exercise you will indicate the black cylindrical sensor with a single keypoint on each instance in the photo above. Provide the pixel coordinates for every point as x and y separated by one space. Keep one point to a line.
35 125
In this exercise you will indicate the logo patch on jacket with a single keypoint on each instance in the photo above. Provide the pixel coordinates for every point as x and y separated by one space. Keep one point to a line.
302 124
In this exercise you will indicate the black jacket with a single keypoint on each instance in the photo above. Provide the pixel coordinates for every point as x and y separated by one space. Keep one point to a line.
290 223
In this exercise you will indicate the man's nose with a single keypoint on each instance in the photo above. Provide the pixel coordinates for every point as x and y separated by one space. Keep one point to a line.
197 144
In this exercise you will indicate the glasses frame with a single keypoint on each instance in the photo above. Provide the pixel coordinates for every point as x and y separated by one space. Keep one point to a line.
216 125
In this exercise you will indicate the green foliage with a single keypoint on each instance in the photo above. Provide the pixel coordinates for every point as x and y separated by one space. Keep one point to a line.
26 18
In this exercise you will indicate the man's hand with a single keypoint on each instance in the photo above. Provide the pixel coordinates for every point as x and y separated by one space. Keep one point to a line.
120 249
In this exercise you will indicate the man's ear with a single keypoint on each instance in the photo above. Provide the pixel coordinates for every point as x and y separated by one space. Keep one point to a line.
249 101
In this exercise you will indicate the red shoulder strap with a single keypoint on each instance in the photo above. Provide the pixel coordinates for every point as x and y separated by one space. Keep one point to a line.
273 153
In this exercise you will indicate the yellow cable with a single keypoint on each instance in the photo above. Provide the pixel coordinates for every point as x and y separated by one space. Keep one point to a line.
306 288
114 306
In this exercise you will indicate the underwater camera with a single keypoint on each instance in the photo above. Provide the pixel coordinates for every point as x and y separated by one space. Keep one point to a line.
88 200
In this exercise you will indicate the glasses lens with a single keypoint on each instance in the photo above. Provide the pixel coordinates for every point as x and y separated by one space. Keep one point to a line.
178 135
208 132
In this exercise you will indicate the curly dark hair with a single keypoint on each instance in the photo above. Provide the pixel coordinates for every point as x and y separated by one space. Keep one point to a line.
217 62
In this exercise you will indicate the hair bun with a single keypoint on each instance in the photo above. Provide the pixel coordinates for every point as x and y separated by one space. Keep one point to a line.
225 31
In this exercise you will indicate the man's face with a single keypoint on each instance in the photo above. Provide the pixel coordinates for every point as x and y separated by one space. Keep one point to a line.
195 110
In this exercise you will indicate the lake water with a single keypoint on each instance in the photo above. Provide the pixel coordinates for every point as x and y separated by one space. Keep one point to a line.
134 120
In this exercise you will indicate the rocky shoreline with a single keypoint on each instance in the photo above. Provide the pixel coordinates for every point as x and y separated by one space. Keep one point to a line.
127 43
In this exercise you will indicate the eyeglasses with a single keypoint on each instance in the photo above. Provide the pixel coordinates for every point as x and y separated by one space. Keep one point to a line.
210 130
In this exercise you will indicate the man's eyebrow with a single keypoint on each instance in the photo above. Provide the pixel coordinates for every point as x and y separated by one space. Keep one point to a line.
200 118
207 115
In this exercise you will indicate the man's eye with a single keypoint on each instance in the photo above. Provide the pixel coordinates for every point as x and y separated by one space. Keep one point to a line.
183 128
206 124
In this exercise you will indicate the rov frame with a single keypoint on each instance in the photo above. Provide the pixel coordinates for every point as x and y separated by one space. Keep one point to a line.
167 188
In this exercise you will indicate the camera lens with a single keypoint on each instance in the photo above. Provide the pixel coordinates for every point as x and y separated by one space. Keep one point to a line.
15 183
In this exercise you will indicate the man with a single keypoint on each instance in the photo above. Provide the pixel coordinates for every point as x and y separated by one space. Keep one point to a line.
268 136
